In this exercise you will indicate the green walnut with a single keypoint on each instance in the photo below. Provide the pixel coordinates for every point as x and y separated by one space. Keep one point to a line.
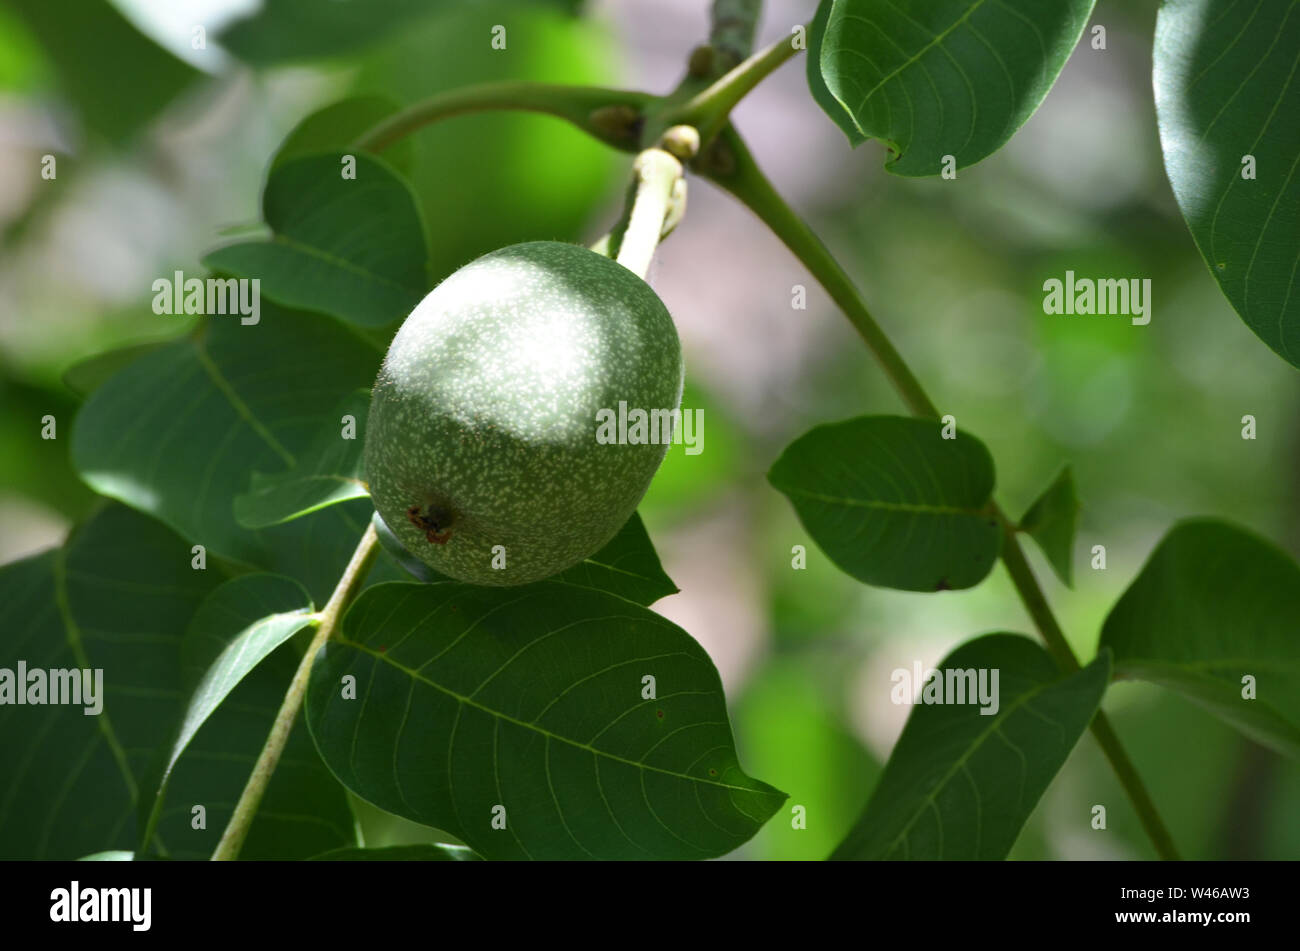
484 450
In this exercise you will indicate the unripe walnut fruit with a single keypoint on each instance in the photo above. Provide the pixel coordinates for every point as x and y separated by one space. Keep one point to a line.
481 443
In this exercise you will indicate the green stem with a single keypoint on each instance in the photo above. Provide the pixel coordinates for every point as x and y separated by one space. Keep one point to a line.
735 170
748 184
1031 594
610 115
708 109
732 24
1105 736
658 175
327 621
1035 601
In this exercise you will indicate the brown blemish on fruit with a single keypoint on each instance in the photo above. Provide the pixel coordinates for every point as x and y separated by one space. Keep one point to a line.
436 525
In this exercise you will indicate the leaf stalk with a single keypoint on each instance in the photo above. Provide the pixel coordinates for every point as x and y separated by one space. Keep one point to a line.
327 622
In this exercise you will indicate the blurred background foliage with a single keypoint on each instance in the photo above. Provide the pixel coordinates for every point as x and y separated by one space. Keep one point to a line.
162 148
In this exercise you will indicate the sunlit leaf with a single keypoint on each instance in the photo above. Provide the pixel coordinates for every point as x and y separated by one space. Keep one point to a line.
943 78
520 721
1227 98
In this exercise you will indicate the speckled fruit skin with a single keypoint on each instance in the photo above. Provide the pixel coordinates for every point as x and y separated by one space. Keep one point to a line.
482 425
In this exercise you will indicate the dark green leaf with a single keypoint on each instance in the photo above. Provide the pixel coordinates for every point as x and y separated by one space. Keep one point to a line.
1225 86
354 248
946 78
37 468
401 853
821 93
177 432
337 126
235 628
117 77
116 598
304 811
892 503
328 472
960 783
86 376
315 550
1052 520
531 699
1213 605
628 566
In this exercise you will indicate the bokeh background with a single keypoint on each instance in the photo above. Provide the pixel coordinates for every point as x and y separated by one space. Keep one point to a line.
160 153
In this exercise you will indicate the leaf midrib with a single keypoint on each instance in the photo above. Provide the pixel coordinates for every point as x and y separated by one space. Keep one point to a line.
914 507
961 761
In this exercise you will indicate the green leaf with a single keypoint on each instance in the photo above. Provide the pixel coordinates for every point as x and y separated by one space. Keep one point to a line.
353 247
960 784
337 126
1225 87
39 469
177 432
943 78
530 699
1051 521
893 503
821 93
117 77
235 628
115 855
86 376
628 566
114 598
304 811
327 473
436 852
315 550
117 598
1213 605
